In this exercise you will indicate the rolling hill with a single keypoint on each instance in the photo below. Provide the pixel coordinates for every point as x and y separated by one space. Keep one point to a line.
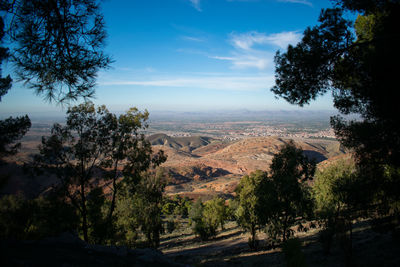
196 165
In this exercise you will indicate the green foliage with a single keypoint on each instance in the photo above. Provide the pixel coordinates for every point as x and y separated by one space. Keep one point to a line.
177 206
215 212
328 199
196 212
16 210
289 196
206 217
141 212
358 70
250 204
52 216
293 255
126 226
22 219
148 200
338 192
197 223
96 205
91 140
171 226
278 201
57 46
168 208
11 130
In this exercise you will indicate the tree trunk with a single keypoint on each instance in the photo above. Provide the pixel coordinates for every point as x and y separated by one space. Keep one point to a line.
84 213
253 237
113 199
284 229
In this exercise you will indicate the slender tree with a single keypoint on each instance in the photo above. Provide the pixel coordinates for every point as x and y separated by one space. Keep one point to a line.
251 212
291 201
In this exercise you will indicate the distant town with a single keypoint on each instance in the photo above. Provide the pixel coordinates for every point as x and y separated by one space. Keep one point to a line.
243 125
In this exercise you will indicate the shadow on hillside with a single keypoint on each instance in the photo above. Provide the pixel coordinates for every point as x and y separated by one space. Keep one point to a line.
15 179
166 239
189 242
314 155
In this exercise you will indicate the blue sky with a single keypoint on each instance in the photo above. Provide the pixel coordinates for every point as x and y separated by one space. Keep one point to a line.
191 55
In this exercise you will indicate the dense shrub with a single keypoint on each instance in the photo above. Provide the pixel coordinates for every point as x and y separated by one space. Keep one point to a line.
206 217
22 218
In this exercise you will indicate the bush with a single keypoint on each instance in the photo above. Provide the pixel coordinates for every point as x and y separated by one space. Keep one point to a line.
204 231
171 226
206 217
22 219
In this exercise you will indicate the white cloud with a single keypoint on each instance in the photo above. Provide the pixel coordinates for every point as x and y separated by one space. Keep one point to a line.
253 49
196 4
246 41
303 2
231 83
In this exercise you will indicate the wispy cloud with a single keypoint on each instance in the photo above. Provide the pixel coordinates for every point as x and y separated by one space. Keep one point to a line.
196 4
303 2
256 50
244 61
192 38
232 83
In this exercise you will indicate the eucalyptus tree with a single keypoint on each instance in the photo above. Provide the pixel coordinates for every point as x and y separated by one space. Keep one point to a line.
95 145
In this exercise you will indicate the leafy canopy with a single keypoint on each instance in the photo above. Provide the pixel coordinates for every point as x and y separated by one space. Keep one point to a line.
58 46
355 62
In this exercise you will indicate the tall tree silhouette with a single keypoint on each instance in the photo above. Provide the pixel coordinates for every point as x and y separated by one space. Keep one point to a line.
56 49
358 70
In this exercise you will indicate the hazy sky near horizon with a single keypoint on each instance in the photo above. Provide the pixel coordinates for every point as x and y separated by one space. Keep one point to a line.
191 55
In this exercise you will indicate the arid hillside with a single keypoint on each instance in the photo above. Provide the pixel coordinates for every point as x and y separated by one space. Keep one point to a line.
197 166
216 166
